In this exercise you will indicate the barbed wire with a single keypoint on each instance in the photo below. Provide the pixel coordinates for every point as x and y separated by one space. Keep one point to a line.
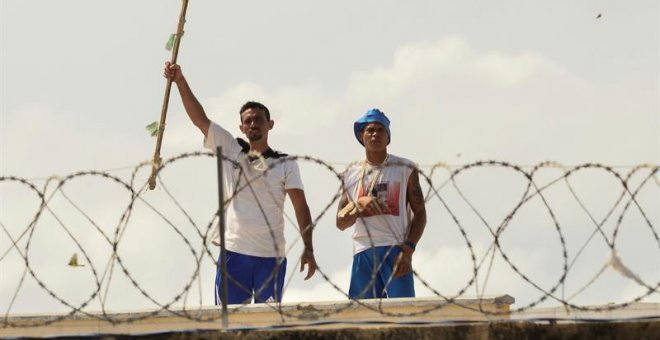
336 164
630 185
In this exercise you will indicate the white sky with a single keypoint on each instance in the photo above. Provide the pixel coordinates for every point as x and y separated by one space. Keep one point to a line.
517 81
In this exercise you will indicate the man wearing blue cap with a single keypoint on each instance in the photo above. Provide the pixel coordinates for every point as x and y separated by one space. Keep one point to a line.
383 199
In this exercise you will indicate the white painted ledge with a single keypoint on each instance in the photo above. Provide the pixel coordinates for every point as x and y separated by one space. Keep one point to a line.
316 314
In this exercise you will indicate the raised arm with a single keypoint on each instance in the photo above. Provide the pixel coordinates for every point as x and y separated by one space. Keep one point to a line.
190 103
304 218
415 199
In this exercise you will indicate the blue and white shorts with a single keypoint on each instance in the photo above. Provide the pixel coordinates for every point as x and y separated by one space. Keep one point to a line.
251 276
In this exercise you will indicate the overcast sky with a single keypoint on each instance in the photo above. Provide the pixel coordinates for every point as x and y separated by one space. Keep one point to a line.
516 81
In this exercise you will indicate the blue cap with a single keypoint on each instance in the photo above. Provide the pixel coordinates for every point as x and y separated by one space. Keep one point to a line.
372 116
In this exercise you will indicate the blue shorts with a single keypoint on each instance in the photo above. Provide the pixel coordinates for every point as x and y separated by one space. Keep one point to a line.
251 276
371 276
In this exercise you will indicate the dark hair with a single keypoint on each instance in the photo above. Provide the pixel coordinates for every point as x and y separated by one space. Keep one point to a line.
254 105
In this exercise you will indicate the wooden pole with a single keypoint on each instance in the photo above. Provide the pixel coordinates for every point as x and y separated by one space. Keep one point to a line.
163 113
223 250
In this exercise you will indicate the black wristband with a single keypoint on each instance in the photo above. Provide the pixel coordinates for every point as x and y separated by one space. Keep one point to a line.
410 244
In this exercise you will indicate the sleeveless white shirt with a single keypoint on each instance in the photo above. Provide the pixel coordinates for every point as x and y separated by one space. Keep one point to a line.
389 183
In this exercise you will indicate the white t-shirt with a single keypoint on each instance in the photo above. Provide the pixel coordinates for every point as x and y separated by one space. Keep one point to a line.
389 183
254 216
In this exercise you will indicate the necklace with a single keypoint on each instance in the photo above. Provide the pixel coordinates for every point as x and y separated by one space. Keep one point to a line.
353 207
374 179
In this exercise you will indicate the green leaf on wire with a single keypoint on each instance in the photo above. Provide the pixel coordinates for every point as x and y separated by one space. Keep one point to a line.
170 42
152 129
73 262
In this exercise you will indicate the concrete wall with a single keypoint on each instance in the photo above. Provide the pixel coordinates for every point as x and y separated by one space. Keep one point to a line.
366 313
420 318
484 331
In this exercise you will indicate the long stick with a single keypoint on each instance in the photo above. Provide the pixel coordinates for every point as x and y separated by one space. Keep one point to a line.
223 249
166 99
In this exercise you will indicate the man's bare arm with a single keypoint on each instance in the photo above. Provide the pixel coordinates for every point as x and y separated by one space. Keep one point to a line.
348 212
415 199
193 108
304 219
344 221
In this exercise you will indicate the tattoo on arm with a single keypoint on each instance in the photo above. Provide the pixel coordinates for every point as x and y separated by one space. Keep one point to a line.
415 195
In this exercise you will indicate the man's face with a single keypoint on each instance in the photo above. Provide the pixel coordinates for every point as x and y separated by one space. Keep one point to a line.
374 137
255 125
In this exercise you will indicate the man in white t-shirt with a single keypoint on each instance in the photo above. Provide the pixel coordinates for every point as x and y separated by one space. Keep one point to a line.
383 199
257 180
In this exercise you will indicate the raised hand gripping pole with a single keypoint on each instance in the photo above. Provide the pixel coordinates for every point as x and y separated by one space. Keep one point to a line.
163 113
